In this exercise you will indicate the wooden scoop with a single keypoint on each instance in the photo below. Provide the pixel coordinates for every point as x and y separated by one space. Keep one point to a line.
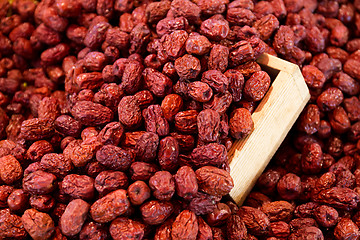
273 118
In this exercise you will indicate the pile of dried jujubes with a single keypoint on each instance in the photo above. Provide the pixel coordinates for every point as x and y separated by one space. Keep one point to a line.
116 117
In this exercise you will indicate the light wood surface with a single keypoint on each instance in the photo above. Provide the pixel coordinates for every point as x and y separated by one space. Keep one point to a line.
273 119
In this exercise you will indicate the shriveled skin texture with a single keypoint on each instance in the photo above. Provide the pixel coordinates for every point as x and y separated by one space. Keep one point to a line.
10 169
89 113
255 220
211 154
214 181
124 228
307 233
185 182
156 212
11 226
208 122
146 147
342 198
74 217
115 158
241 123
39 182
185 226
79 186
163 185
168 153
36 129
129 112
109 207
79 154
39 225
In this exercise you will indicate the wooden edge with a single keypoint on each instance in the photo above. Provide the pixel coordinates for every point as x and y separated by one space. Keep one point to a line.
273 119
277 63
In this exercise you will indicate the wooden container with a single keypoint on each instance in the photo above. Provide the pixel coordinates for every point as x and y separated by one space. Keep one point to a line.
273 118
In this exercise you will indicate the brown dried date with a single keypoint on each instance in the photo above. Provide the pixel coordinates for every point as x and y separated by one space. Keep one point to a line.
200 91
10 169
187 67
114 157
131 78
74 217
185 182
171 105
5 192
346 229
218 59
17 200
93 230
337 197
214 181
90 114
56 164
240 123
78 186
129 112
110 206
185 226
147 146
312 158
197 44
289 186
111 134
240 53
155 121
330 99
257 85
215 28
255 220
208 123
125 228
108 181
278 210
36 129
156 82
211 154
163 185
216 80
43 203
142 171
96 34
307 233
168 153
156 212
186 121
326 216
138 192
39 225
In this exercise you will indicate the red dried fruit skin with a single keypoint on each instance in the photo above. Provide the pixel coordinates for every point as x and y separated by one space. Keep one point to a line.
90 114
110 206
185 226
255 220
157 83
122 228
214 181
211 154
74 217
31 220
337 197
156 212
257 85
240 123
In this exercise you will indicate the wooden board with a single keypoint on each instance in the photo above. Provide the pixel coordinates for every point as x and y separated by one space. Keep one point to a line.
273 119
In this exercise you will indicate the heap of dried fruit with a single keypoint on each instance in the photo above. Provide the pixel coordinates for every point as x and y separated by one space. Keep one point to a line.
116 117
